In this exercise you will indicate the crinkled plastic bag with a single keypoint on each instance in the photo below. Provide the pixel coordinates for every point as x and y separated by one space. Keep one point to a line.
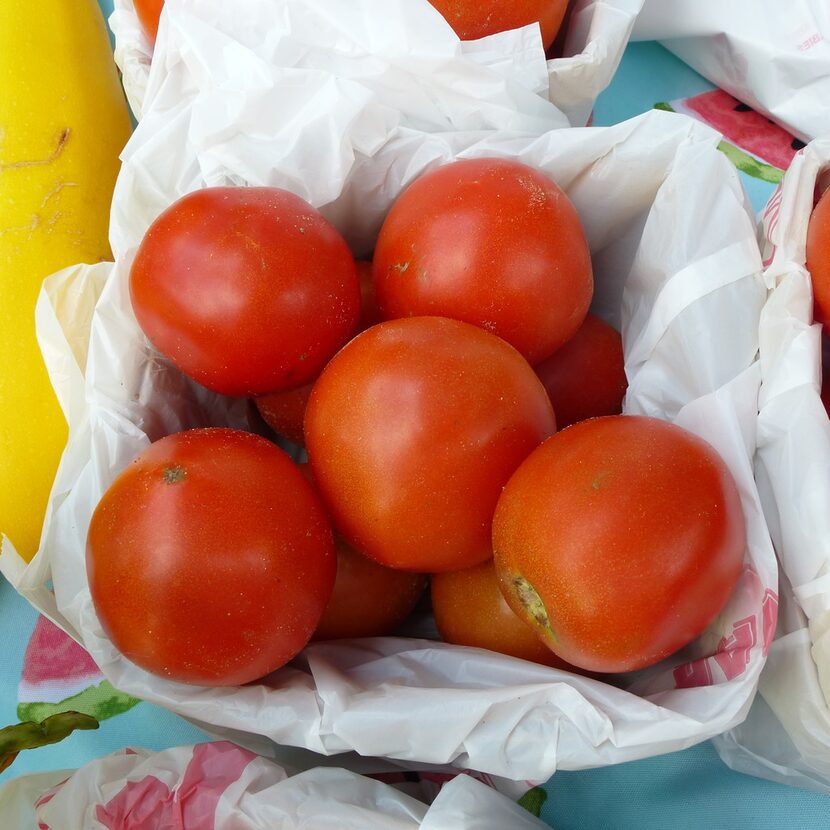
787 735
220 786
677 267
19 795
772 55
594 43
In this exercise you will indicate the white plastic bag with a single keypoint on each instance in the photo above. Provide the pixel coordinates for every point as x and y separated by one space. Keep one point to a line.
220 786
677 268
19 795
593 46
772 55
787 736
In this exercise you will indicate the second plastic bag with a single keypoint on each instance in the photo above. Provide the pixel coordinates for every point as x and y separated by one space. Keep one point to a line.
219 786
787 735
593 40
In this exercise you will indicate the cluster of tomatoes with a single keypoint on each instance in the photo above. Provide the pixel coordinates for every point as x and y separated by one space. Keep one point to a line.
423 387
470 19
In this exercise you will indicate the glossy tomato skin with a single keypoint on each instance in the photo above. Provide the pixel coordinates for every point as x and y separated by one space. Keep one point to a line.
149 12
586 378
412 430
621 538
471 20
818 258
490 241
284 411
368 599
248 290
470 610
210 558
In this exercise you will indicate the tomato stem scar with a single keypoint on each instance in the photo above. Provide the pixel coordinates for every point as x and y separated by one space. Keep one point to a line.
532 602
174 474
598 481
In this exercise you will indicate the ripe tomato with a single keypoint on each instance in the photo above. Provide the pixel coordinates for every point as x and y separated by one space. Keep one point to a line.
149 12
284 411
586 377
818 258
412 430
210 558
369 599
248 290
620 538
470 610
492 242
471 20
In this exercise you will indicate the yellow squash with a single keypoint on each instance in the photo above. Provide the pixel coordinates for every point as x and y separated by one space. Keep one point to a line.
63 122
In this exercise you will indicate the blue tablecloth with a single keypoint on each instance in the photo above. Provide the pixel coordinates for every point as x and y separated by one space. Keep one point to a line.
689 789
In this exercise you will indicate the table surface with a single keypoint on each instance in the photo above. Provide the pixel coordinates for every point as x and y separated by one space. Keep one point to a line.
688 789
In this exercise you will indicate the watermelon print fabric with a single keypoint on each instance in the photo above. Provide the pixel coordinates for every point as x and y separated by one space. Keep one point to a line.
23 688
744 127
59 676
758 147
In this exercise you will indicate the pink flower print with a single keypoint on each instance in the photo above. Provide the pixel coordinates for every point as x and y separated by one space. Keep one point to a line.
149 804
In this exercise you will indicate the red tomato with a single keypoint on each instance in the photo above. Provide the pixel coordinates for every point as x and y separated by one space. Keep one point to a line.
248 290
368 600
284 412
210 558
586 377
149 12
492 242
472 19
470 610
620 539
412 430
818 258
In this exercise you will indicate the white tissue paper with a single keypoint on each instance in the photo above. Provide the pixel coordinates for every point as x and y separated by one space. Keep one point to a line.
772 55
413 39
787 735
677 268
220 786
